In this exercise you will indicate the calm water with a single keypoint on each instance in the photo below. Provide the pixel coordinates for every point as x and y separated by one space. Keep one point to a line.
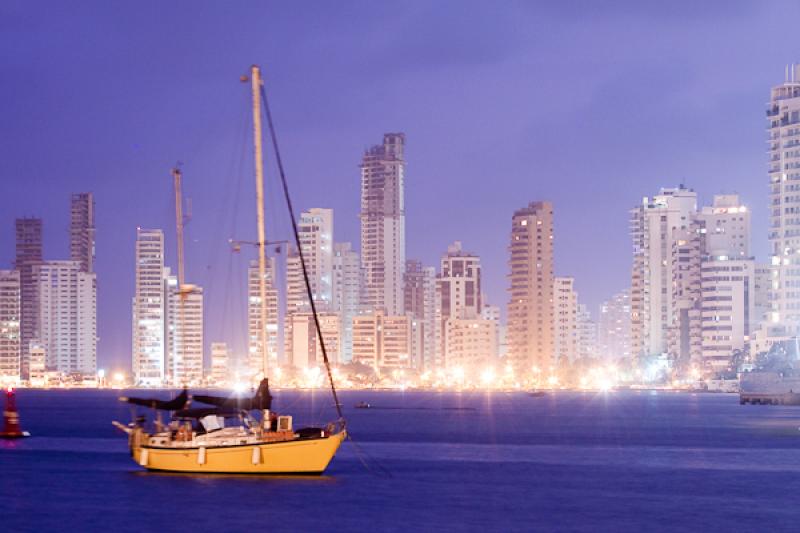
472 461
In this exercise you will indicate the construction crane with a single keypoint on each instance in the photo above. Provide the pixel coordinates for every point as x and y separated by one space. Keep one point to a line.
184 289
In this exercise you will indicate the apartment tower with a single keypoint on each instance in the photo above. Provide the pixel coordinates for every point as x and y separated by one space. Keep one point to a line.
149 309
81 230
9 327
530 307
28 254
383 248
783 138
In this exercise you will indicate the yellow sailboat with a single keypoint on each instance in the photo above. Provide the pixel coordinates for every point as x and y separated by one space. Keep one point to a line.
237 435
204 439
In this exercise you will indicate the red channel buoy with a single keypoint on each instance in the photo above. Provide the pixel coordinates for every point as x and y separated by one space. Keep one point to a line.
11 429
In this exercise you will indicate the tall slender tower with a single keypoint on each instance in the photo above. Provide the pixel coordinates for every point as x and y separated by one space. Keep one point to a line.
383 243
149 309
29 253
783 136
81 230
530 305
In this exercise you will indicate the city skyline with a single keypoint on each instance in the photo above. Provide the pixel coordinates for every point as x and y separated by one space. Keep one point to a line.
128 170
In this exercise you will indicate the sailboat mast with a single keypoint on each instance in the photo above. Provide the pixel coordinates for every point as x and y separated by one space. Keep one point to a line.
255 84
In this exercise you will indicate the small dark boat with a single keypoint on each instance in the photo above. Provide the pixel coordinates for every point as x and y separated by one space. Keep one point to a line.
363 405
536 393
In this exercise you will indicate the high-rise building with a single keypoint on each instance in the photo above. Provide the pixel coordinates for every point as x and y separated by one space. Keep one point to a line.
614 327
383 248
10 348
492 313
81 230
346 293
530 307
256 354
684 326
316 237
38 365
728 311
471 343
149 310
762 283
460 282
28 254
726 225
653 226
458 294
783 137
729 294
67 317
587 333
184 332
220 373
303 349
565 316
382 341
420 304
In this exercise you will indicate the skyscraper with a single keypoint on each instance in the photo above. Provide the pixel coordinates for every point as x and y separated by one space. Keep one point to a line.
458 293
783 137
9 327
346 293
255 358
303 349
220 371
81 230
587 333
67 316
28 254
316 237
149 309
730 297
383 249
653 225
382 341
420 304
183 332
565 311
530 307
614 327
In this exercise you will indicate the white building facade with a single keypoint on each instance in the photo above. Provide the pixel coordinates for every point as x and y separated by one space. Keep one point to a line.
653 226
149 310
67 325
783 138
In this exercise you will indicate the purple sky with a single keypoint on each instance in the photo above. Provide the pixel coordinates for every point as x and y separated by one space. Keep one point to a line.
502 103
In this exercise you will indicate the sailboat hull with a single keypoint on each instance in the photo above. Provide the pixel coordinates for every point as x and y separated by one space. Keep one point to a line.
303 456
